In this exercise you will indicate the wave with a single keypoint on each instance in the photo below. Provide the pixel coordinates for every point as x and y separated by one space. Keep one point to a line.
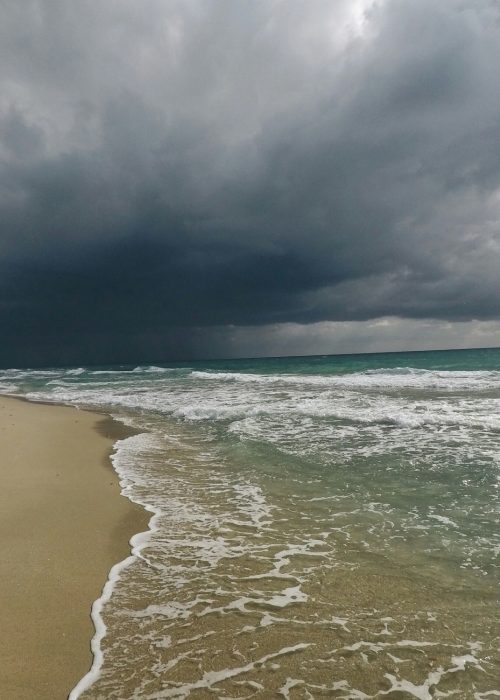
8 388
397 378
413 371
30 373
234 401
149 368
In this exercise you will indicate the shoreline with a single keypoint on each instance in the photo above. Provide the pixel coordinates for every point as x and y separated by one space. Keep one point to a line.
65 525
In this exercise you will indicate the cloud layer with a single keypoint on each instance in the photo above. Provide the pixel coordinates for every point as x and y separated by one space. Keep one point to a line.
171 168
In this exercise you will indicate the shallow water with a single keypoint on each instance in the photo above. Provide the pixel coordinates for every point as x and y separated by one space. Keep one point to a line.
322 527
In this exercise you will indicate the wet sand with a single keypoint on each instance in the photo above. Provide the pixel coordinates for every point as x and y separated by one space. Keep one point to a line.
63 524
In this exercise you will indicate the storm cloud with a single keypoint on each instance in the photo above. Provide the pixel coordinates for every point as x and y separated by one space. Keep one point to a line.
174 170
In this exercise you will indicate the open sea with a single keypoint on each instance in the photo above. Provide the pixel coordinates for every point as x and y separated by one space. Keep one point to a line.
320 526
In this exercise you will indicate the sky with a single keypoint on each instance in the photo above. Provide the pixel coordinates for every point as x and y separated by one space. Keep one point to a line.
199 178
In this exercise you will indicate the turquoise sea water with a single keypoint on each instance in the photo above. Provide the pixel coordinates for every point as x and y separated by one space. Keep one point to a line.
321 526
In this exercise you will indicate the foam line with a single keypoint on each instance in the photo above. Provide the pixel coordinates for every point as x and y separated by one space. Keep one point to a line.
211 678
137 543
100 629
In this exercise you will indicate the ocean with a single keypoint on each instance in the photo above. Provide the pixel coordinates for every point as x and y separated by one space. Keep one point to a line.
320 526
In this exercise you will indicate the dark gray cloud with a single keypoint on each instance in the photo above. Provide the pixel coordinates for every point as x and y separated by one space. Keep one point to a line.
172 170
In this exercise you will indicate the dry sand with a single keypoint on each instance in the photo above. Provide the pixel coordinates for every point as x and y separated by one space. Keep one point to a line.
63 524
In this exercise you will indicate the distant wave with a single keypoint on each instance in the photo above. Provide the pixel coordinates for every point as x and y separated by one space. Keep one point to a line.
394 378
153 369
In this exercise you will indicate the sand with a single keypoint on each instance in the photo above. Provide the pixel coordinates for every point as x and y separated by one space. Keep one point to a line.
63 524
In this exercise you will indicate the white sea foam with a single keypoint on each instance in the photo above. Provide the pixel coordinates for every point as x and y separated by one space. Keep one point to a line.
9 388
443 519
252 503
211 678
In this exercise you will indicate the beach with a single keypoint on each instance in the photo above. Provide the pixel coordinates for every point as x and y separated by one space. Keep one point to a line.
64 524
323 526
